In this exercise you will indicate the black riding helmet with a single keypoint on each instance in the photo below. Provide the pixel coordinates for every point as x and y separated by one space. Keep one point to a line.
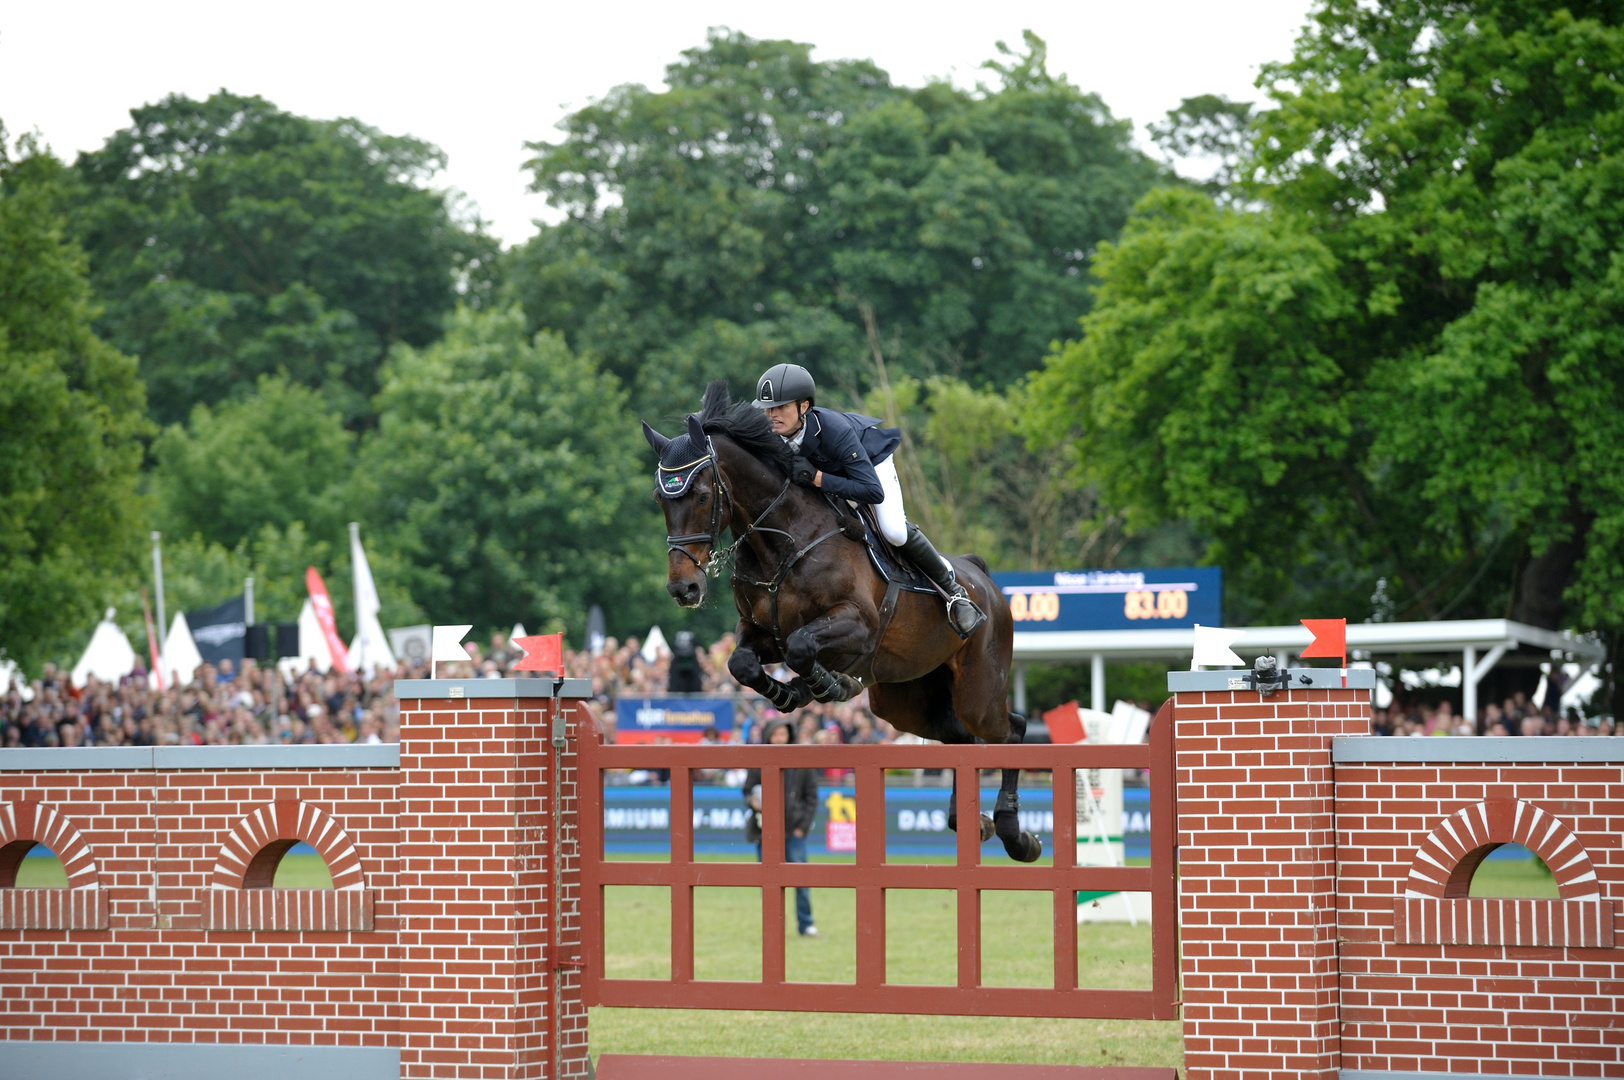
783 384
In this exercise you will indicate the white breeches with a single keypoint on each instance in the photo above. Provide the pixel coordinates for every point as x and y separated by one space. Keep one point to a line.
893 519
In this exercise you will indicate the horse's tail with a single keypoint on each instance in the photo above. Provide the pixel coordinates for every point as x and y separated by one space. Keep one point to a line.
979 561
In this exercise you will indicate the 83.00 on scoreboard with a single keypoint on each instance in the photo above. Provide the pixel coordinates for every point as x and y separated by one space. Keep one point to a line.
1113 599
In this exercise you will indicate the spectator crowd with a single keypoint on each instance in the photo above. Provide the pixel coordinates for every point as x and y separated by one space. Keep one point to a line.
248 704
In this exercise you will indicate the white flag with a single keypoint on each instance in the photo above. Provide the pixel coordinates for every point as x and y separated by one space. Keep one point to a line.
370 649
1212 647
448 644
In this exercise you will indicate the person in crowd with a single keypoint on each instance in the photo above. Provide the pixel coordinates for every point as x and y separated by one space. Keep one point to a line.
800 808
686 675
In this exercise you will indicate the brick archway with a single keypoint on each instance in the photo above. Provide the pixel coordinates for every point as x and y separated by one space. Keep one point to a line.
23 824
1451 853
249 857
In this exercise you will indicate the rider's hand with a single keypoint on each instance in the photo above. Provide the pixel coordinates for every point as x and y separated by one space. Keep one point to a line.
802 472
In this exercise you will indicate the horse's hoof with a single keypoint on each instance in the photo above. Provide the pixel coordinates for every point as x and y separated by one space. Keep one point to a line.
986 828
1031 849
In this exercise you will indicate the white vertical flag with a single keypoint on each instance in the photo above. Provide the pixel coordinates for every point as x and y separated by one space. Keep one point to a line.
370 649
1212 648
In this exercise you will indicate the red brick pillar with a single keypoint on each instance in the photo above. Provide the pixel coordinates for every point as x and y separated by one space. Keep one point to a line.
1257 869
487 986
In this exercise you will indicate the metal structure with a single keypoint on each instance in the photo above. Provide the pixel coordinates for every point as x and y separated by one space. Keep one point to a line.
870 876
1481 643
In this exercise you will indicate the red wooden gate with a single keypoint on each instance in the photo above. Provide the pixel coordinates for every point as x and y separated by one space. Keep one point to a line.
871 876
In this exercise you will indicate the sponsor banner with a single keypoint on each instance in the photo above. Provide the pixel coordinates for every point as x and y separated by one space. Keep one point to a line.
218 631
637 820
675 719
1162 599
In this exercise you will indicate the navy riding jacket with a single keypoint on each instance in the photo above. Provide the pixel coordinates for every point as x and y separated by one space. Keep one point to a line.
845 448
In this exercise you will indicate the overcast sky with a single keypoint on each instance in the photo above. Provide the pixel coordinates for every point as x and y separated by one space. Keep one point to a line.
479 80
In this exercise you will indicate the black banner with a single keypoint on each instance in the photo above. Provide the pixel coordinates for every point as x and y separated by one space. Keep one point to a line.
218 631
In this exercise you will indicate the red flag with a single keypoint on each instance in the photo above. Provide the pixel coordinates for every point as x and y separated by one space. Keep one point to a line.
1065 724
542 652
1330 639
152 640
323 605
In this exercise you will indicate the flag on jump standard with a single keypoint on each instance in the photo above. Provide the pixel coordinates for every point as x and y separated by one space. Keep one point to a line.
1330 639
447 647
542 652
1212 648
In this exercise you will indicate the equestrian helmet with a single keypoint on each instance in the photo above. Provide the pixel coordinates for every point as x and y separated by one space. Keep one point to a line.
784 383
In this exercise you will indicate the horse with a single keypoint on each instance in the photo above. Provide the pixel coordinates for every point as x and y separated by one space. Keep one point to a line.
808 597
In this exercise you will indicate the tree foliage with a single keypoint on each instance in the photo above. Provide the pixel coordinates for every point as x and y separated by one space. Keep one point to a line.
274 458
71 417
513 479
229 240
1402 365
769 207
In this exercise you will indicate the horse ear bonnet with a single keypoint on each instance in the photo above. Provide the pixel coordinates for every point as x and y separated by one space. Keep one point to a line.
680 462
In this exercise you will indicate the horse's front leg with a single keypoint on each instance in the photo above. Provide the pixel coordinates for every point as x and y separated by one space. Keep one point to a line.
745 667
839 631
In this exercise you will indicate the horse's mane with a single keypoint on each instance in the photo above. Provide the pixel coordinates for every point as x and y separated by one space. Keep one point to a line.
744 424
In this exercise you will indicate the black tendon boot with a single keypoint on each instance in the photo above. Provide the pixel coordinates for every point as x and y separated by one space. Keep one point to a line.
962 613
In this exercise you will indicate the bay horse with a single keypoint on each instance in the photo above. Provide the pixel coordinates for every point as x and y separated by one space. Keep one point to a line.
808 597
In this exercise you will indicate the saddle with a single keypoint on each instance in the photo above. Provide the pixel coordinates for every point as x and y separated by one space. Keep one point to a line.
892 566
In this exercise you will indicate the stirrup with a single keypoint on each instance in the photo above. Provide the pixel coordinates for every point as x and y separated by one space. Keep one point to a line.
976 616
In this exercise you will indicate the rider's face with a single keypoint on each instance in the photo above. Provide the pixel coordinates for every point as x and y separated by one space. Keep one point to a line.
785 418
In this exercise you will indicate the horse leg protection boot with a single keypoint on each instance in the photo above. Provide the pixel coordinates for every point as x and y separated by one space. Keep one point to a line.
1006 819
786 697
829 685
962 613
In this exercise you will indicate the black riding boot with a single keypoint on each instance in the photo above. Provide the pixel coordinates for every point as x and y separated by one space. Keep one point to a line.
962 613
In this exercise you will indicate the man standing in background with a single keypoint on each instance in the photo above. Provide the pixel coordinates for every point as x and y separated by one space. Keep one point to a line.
800 807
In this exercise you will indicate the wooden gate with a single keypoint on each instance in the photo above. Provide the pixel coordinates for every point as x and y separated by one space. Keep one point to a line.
871 876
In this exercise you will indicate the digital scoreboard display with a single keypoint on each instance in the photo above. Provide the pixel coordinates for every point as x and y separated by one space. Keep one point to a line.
1169 598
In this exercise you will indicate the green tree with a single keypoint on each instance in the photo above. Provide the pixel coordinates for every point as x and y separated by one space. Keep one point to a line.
274 458
229 239
71 419
514 481
1398 371
768 207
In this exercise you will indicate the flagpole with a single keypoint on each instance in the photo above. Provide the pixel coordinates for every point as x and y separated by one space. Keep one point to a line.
158 583
355 595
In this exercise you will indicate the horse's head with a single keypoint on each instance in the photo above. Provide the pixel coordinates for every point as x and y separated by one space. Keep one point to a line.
691 493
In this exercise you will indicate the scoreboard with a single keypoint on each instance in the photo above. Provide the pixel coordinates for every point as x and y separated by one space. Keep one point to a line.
1165 599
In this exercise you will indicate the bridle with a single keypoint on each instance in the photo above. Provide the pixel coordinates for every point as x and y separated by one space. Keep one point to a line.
718 557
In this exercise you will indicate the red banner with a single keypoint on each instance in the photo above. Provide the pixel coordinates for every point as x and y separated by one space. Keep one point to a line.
152 640
323 605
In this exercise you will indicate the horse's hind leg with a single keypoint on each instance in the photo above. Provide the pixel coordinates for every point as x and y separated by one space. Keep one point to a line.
1006 813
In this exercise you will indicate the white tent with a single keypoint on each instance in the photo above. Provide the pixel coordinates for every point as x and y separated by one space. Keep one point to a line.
109 656
181 658
312 645
9 674
654 645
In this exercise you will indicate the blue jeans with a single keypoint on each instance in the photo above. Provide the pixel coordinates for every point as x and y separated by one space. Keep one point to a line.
795 852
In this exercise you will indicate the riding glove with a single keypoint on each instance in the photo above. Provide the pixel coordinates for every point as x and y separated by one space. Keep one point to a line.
802 471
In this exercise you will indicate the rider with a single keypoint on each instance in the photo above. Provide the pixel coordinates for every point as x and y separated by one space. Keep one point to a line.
849 455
